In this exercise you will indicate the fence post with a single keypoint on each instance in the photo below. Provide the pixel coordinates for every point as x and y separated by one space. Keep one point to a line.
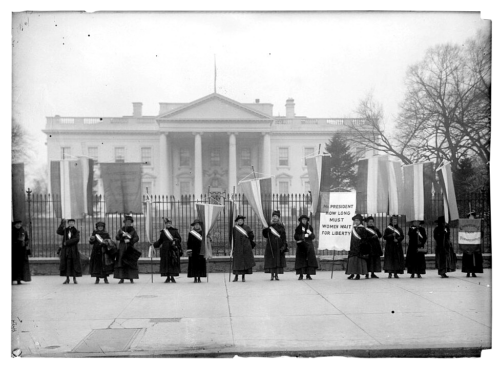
30 230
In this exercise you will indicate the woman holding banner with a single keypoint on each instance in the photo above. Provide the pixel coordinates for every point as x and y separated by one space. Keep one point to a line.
394 258
305 257
274 256
69 256
358 251
373 237
242 250
197 264
472 258
415 260
127 257
446 260
170 252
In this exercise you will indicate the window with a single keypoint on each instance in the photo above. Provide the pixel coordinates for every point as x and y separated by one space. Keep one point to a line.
146 155
147 188
215 157
119 154
65 153
93 153
184 157
308 151
283 187
283 156
246 157
307 187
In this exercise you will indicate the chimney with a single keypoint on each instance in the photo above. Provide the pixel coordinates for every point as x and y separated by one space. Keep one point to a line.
137 109
257 101
290 108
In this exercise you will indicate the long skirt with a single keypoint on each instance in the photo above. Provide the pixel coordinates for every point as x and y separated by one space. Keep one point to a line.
394 260
445 261
356 266
472 263
197 267
306 271
243 272
415 262
374 264
125 273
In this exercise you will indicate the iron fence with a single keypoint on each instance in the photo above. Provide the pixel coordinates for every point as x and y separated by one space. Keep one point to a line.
45 241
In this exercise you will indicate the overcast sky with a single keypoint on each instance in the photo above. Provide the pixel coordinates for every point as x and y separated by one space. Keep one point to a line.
97 64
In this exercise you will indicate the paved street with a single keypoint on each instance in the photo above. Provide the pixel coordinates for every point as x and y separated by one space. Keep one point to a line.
375 317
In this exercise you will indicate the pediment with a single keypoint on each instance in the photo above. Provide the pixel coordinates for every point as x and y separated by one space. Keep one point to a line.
214 106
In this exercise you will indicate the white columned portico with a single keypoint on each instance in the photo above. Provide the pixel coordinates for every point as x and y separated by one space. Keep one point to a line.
266 154
198 168
164 188
232 161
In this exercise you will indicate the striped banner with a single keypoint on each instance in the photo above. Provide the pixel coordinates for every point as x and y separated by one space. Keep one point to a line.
208 214
258 193
446 182
72 181
319 178
395 184
372 187
18 193
417 191
149 224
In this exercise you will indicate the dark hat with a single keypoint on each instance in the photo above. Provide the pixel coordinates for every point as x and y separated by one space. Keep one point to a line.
369 218
197 220
166 220
71 220
303 216
394 216
17 221
358 216
239 217
472 212
128 218
440 220
276 212
102 224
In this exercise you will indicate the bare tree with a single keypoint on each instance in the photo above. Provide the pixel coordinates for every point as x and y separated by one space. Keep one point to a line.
19 143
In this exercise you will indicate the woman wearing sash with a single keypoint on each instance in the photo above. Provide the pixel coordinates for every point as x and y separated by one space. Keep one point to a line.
373 237
20 252
415 261
472 258
170 252
305 257
358 251
394 259
242 250
274 256
125 264
446 260
69 264
197 265
100 266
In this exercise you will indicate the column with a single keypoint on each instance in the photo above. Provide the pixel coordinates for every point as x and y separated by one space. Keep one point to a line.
232 162
266 154
198 169
164 168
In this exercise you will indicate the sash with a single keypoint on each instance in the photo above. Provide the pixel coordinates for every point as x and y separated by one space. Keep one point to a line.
168 234
99 238
355 234
371 231
241 230
394 230
275 232
69 235
304 230
126 235
197 235
420 235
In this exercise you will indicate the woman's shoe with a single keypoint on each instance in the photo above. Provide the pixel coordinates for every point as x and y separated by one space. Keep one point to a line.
444 276
373 276
121 281
419 276
390 276
468 275
474 275
272 277
74 281
357 277
172 280
396 276
96 280
350 277
412 276
308 277
106 281
235 278
131 281
276 277
67 281
301 277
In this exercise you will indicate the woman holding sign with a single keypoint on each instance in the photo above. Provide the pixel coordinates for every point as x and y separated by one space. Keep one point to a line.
274 256
242 249
170 252
101 262
394 258
472 258
305 257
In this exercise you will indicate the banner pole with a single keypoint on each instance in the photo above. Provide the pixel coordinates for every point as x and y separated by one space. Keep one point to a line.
208 260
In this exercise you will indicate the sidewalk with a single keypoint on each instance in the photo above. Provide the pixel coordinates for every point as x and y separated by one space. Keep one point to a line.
335 317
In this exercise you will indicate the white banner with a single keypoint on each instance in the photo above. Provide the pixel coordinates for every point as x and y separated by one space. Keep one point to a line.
336 223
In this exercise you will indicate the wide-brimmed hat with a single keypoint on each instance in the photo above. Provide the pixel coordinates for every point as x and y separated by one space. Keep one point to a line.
71 220
358 216
197 220
440 220
166 220
369 218
128 218
239 217
303 216
276 212
18 221
102 224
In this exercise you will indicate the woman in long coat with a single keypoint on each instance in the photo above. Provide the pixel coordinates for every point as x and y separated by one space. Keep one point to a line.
373 236
358 251
472 258
101 262
20 260
415 261
305 257
394 259
243 260
276 247
69 259
170 252
197 264
446 260
126 261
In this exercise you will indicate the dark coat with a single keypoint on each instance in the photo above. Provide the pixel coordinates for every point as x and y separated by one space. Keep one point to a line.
101 262
242 249
305 255
274 256
415 261
69 258
394 259
170 252
359 252
197 265
472 260
446 260
374 262
20 261
125 263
